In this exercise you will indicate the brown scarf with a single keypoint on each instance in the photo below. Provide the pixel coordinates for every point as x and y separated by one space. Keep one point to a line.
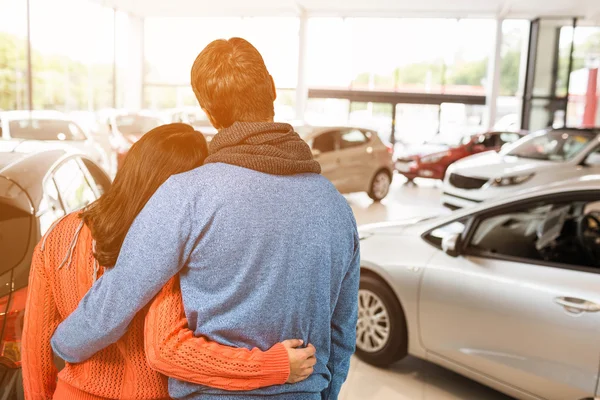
269 147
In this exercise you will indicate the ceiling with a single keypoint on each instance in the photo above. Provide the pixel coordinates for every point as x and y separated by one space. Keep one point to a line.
587 9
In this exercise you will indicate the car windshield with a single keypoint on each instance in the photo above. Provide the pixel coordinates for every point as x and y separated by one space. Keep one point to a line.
559 145
45 129
136 124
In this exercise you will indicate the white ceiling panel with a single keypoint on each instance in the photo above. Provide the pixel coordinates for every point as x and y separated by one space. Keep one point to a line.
587 9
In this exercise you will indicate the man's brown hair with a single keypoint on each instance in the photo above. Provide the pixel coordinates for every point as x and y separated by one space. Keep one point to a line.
232 84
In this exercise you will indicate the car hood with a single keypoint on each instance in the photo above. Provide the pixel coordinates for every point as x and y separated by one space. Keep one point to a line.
421 150
492 165
400 227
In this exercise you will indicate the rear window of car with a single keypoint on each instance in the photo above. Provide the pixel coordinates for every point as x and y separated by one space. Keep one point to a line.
15 232
45 129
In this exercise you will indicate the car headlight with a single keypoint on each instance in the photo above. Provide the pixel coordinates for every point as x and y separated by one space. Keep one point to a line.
511 180
433 158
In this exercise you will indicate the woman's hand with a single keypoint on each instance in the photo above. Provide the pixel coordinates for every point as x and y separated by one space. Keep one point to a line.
302 360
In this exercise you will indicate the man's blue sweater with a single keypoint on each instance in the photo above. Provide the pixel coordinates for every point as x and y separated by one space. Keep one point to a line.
263 258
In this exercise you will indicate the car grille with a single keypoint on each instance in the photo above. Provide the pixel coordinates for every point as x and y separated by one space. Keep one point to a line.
466 182
405 159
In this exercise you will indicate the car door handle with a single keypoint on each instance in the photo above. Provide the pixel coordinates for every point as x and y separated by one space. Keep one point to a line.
576 306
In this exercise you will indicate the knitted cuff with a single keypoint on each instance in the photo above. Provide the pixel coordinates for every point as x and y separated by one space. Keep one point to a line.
276 366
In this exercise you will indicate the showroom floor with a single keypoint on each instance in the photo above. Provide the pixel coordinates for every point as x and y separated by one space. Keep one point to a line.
412 378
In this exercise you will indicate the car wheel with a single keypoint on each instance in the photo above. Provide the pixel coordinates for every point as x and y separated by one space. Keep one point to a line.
380 185
381 334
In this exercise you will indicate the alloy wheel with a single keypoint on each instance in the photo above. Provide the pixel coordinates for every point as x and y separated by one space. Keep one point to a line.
373 327
381 185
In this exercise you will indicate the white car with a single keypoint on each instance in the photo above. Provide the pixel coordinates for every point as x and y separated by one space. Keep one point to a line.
538 159
506 293
54 128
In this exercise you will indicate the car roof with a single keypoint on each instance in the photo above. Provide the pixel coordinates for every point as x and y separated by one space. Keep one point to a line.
583 183
36 114
310 131
28 170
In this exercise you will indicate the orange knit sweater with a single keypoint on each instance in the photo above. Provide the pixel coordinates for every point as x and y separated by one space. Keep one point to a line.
124 369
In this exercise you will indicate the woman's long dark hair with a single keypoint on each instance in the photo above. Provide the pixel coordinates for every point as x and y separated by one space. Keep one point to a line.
162 152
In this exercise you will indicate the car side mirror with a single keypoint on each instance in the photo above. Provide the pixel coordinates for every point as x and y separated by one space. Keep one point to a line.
316 152
592 160
451 244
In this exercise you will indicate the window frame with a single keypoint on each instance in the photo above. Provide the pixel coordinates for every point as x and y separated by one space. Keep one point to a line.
477 218
89 176
52 175
589 153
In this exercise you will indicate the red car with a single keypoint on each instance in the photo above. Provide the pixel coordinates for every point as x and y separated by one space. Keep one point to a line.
431 160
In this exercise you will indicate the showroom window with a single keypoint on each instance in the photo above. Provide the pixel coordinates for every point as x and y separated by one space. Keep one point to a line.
72 55
13 59
553 232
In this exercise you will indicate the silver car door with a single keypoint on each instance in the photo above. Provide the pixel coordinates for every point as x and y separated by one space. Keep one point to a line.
520 305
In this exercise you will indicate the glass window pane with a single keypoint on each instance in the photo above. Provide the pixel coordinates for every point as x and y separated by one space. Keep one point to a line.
72 57
73 186
13 50
325 142
352 138
547 232
96 178
376 116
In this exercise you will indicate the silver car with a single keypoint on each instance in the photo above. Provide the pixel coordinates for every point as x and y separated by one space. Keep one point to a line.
506 293
353 159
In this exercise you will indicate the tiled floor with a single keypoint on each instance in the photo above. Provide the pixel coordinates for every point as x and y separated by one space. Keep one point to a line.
411 378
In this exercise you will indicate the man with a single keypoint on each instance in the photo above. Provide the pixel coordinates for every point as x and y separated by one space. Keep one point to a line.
266 248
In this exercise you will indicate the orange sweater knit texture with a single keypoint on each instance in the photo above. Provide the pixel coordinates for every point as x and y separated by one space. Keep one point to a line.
157 342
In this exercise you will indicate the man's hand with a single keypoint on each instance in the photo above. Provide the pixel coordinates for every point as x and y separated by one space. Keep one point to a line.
302 360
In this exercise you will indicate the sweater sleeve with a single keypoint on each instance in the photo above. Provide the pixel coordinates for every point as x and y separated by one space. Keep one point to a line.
173 350
156 247
343 327
41 319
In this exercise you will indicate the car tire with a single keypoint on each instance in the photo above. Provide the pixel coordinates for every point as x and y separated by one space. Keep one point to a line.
380 185
395 346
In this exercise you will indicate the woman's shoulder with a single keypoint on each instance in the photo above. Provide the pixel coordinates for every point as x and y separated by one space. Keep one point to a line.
62 229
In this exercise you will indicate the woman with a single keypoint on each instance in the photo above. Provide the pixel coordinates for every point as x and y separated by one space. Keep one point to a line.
68 261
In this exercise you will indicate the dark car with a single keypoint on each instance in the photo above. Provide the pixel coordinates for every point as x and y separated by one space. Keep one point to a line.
432 159
35 190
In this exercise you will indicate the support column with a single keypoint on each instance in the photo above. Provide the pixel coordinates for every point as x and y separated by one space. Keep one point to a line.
29 73
301 86
134 64
493 79
591 99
